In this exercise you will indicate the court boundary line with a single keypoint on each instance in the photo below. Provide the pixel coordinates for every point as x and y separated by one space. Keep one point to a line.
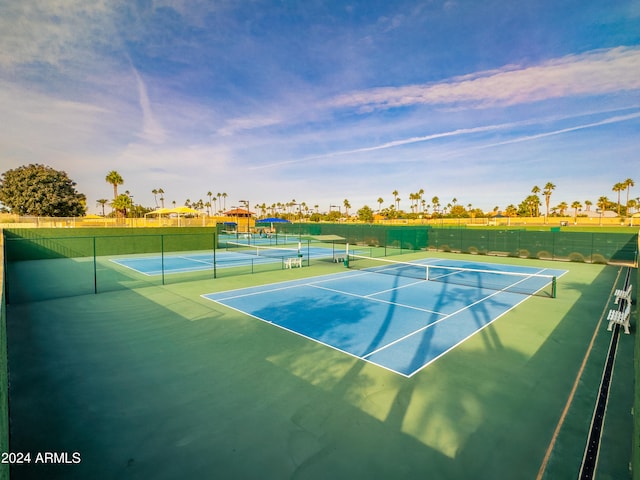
379 300
333 347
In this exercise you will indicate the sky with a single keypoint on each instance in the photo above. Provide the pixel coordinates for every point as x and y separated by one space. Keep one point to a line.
320 101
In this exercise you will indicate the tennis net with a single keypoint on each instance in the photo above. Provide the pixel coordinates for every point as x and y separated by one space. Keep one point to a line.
515 282
262 250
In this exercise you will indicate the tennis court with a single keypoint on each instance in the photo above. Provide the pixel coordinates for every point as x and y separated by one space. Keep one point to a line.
388 313
234 255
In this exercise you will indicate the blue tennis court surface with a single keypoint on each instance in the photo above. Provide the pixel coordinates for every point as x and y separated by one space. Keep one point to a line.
194 261
398 323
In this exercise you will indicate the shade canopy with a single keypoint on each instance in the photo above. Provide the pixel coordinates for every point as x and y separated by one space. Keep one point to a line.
272 220
159 211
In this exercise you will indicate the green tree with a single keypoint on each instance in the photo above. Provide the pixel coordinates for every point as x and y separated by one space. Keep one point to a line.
380 202
114 178
121 204
365 214
42 191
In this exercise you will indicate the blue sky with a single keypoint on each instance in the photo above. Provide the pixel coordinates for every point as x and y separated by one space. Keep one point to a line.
321 101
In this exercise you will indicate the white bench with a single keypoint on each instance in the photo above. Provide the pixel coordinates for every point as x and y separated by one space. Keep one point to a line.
623 294
621 317
293 262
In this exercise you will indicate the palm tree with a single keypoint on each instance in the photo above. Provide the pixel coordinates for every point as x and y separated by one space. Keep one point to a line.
347 206
533 202
535 190
396 199
102 202
618 187
155 196
420 194
121 204
380 202
115 179
548 189
161 193
575 205
628 183
602 204
209 194
435 201
587 204
224 197
413 197
562 206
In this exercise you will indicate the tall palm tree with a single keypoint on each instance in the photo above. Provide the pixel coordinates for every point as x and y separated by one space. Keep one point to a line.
347 206
380 202
155 196
548 190
618 187
396 199
115 179
224 198
575 205
536 190
587 204
628 183
102 202
420 194
435 201
209 194
161 193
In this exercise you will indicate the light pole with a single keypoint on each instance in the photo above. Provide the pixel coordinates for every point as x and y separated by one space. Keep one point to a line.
246 204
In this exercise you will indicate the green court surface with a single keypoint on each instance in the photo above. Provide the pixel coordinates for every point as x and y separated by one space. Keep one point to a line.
156 382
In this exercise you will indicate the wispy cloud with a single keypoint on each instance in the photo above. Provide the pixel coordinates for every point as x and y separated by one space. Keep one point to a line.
593 73
462 132
235 125
151 129
52 32
528 138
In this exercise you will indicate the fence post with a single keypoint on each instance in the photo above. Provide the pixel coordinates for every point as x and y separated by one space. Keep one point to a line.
95 271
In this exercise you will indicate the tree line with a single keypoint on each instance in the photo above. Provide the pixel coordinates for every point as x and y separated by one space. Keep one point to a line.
39 190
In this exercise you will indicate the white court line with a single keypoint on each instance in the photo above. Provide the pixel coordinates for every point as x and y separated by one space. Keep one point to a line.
377 300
